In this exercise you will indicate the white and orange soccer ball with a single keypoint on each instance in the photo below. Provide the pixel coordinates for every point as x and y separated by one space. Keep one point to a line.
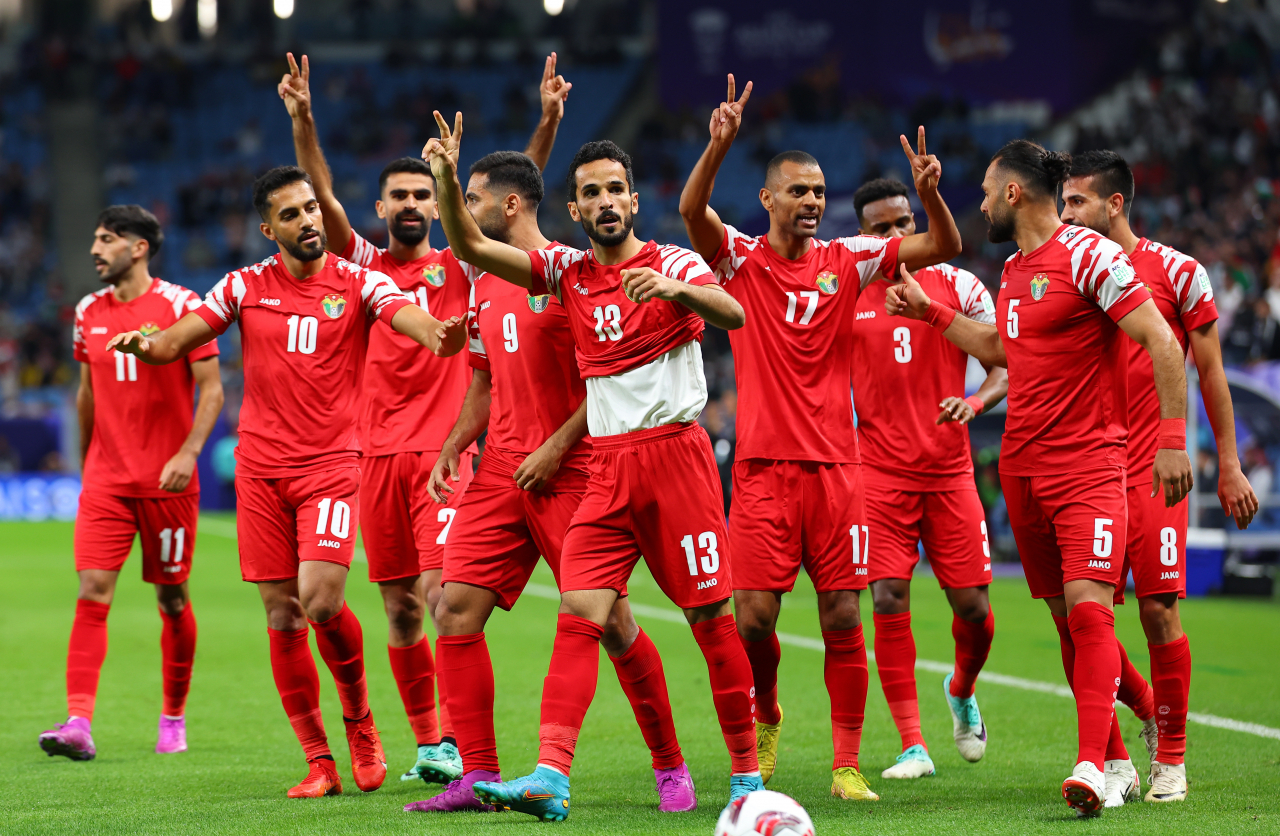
764 813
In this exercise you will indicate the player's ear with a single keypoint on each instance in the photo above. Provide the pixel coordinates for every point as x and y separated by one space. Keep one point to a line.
267 231
766 199
573 212
512 205
380 209
635 203
140 249
1115 204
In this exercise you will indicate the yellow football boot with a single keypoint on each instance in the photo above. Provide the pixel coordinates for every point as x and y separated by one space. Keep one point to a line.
767 746
847 782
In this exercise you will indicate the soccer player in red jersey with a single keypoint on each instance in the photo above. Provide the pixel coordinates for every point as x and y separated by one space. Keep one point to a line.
919 482
528 393
402 426
1065 299
1098 195
636 313
135 483
797 482
305 318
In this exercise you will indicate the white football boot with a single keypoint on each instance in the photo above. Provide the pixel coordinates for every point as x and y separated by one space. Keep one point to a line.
1121 783
1168 782
1085 790
914 762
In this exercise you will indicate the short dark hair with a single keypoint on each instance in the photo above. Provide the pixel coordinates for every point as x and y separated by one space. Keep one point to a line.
1040 171
1110 173
797 157
511 171
274 180
877 189
132 219
600 149
404 165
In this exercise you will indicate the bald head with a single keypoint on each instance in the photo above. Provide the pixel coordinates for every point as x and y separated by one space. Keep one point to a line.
789 161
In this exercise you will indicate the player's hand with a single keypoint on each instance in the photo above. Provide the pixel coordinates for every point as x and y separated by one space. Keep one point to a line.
442 154
177 472
444 472
554 91
295 88
641 284
727 118
130 342
536 470
957 410
925 168
1172 470
451 336
1237 496
907 298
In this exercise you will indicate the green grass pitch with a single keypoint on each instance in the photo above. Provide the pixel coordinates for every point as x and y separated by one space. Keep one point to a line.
244 756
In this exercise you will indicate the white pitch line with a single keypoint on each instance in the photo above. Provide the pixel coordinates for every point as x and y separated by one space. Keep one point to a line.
220 528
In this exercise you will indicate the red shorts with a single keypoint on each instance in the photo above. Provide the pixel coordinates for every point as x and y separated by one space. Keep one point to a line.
105 525
789 513
281 522
655 493
403 529
1157 546
500 530
951 524
1070 527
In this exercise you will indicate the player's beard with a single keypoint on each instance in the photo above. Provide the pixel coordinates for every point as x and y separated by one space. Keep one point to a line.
1000 229
116 270
410 236
1100 223
611 240
308 250
493 226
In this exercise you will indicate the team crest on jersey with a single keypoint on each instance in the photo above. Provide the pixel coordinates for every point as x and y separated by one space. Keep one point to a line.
149 328
433 274
828 282
334 305
538 304
1039 286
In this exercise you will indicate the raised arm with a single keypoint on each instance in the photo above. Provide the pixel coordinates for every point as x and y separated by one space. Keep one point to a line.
970 336
709 301
472 420
1234 491
444 339
706 231
84 411
177 472
942 240
1172 469
554 92
295 90
173 343
465 238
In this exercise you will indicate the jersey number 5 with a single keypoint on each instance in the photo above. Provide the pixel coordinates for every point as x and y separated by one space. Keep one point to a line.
1011 322
608 323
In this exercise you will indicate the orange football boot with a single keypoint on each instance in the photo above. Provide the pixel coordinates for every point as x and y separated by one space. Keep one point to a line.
321 780
368 762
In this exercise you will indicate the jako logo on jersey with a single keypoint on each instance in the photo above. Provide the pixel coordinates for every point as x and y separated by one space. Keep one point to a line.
866 315
1099 564
334 305
538 304
265 301
97 329
708 584
433 274
149 328
330 544
828 282
1039 286
1168 576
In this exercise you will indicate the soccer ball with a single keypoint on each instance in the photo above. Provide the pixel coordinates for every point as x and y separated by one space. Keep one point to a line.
766 813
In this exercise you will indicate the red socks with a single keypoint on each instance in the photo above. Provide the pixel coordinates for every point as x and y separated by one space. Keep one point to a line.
764 657
341 645
1171 681
896 664
568 689
299 686
464 663
87 649
446 724
415 674
1134 690
1097 670
177 651
845 671
729 673
643 681
973 644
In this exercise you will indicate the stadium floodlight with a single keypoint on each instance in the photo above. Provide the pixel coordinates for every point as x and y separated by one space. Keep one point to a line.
207 17
162 10
553 7
283 8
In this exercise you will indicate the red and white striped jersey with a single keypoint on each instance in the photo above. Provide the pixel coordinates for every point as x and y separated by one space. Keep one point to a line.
1181 290
304 344
793 359
902 370
1056 315
142 414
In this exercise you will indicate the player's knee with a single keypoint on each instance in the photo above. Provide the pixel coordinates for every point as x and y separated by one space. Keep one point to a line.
754 626
840 613
971 606
96 588
172 605
1160 619
890 597
620 631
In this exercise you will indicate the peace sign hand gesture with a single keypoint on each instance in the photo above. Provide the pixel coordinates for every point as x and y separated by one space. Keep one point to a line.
295 88
554 91
727 118
442 154
925 168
